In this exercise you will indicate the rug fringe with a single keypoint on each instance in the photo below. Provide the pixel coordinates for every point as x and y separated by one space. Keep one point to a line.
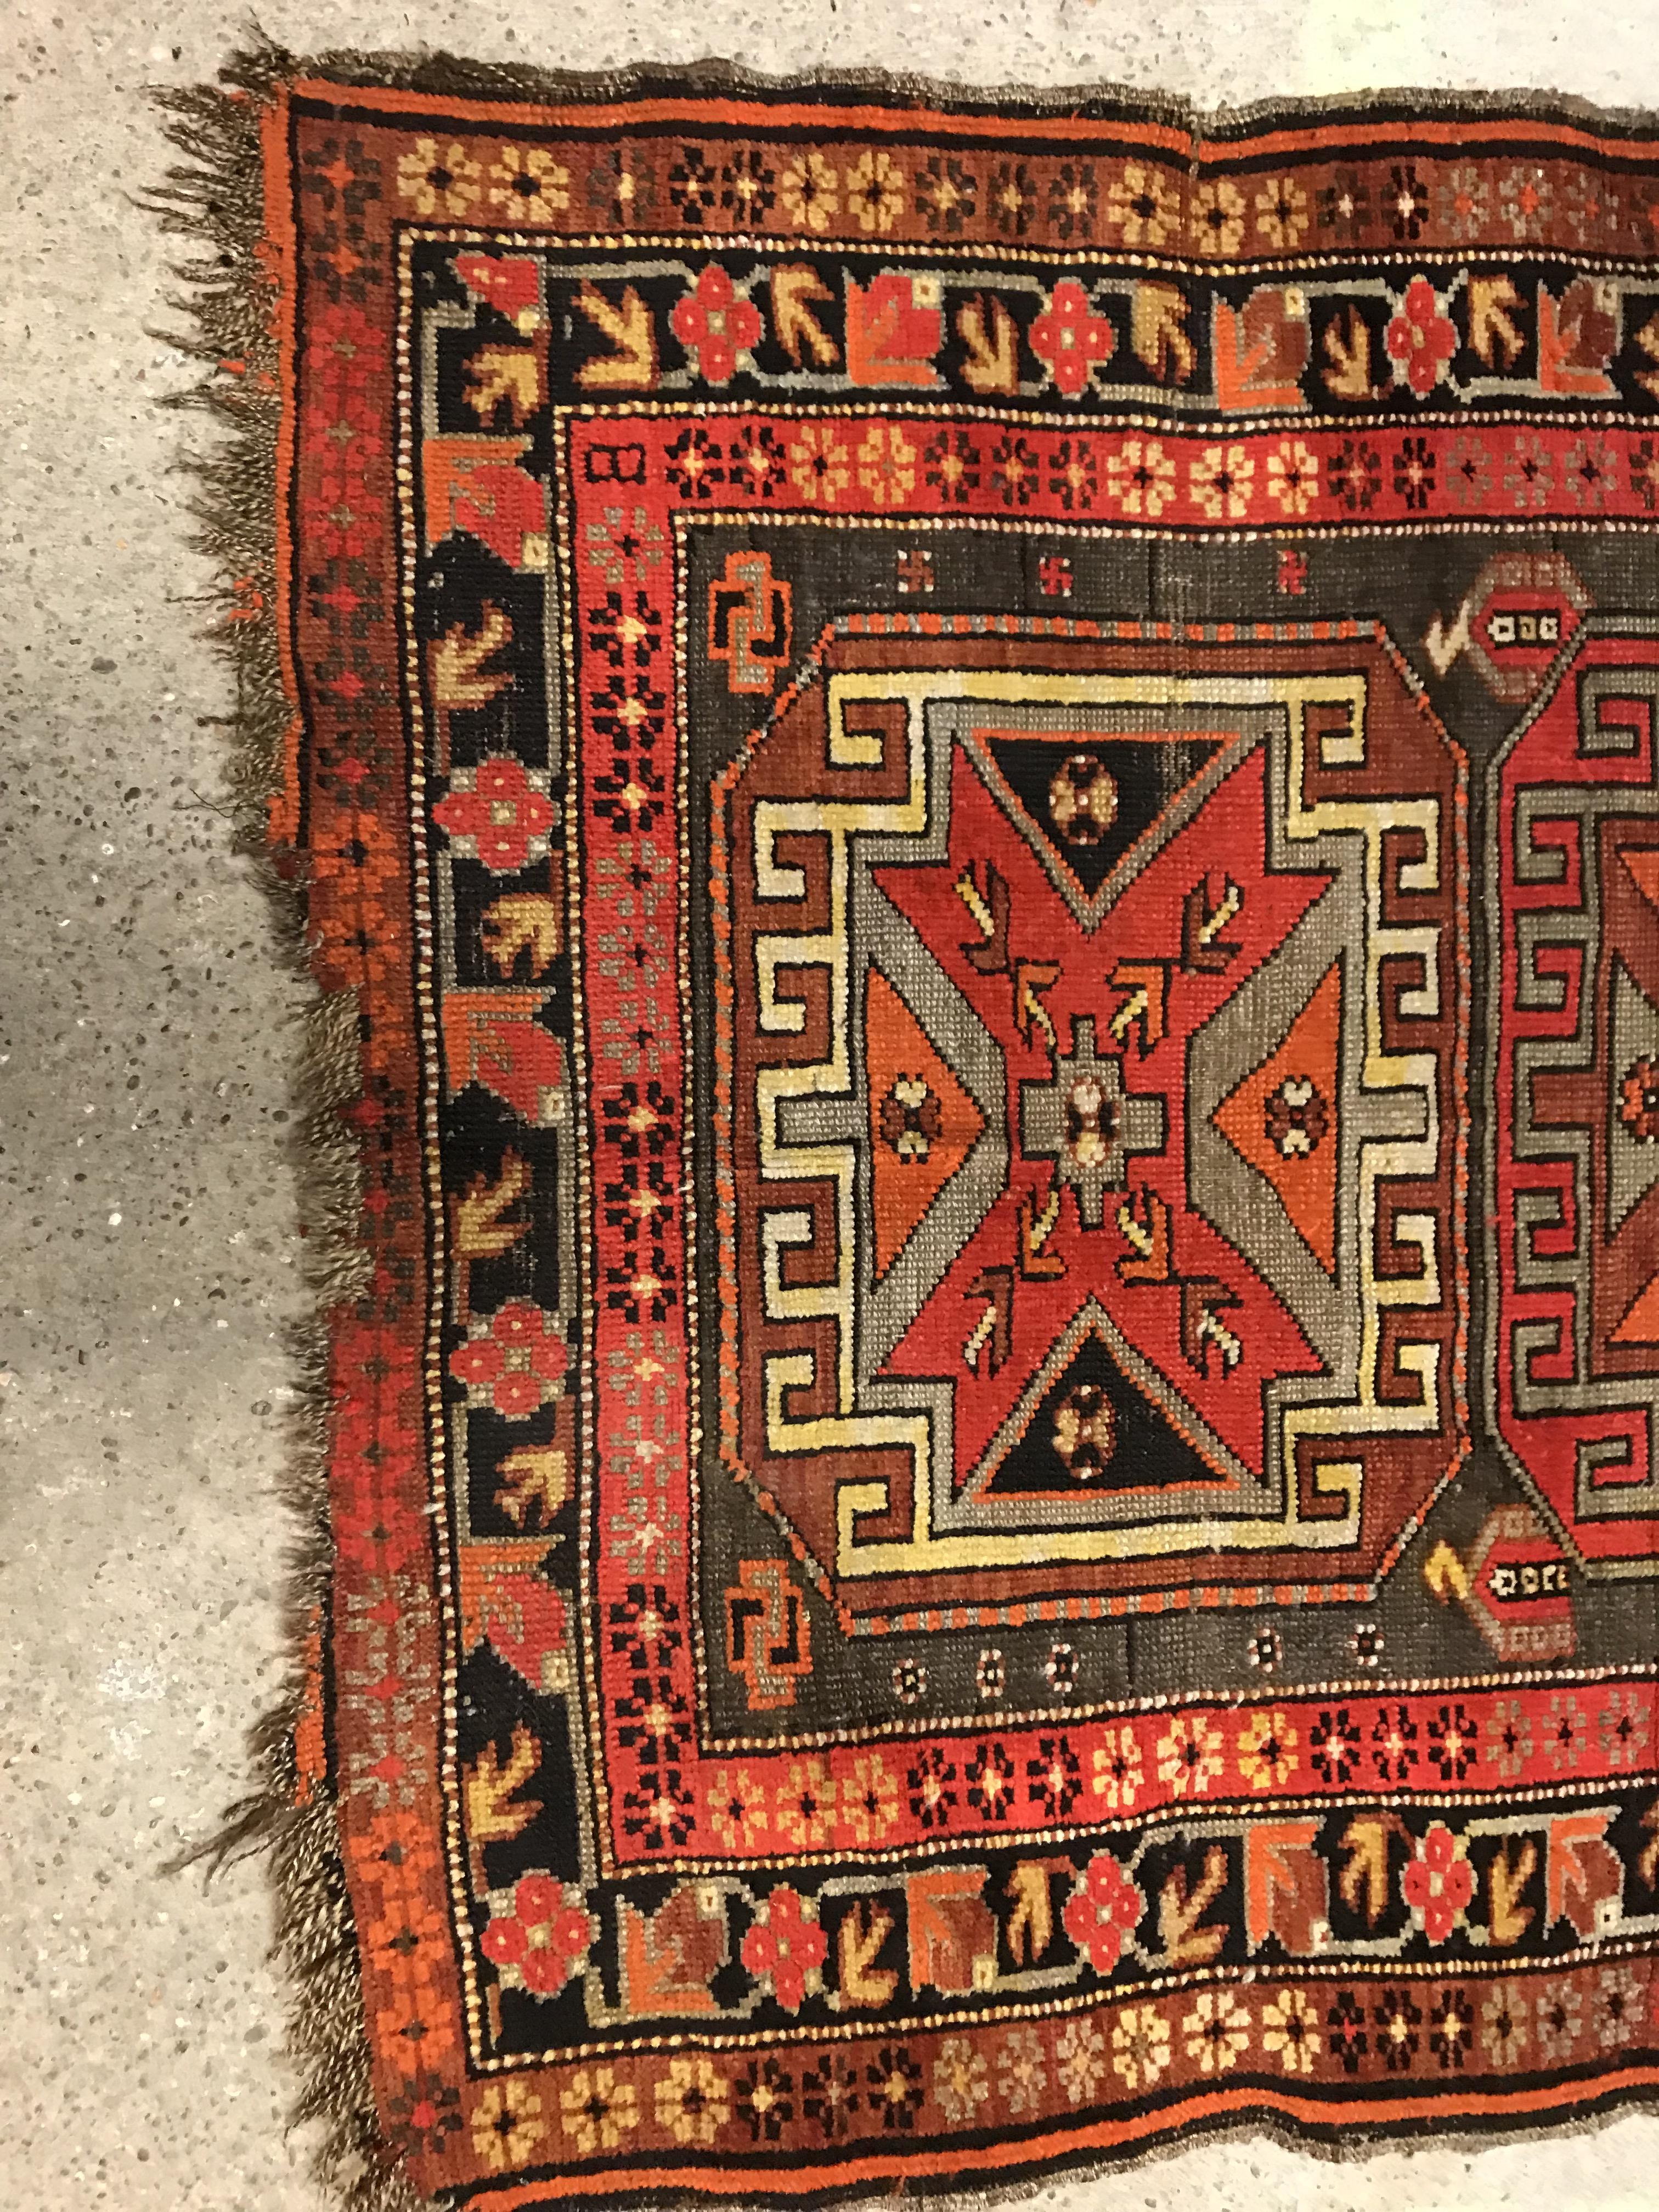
262 65
213 199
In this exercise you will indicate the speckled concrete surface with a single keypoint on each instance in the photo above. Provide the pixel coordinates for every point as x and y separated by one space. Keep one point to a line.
148 1244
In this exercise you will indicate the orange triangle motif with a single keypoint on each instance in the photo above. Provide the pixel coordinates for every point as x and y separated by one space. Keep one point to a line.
923 1123
1282 1120
1642 861
1641 1324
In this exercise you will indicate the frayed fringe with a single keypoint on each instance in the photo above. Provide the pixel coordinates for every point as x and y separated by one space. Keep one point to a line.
262 66
214 197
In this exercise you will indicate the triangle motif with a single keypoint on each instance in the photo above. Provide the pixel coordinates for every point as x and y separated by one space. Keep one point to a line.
1642 863
1282 1120
1641 1324
1632 1152
1090 798
923 1124
1094 1429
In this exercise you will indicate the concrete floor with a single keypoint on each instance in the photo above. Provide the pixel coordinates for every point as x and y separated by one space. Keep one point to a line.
147 1233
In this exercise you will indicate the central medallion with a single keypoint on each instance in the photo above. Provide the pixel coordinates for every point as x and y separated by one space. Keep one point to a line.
1064 1174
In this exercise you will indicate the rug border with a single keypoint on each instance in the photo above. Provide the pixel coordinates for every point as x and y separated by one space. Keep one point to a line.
235 319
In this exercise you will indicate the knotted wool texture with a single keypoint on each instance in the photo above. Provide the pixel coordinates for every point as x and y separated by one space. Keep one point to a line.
974 780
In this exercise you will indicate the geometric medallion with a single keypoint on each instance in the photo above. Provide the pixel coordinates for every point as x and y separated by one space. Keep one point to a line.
1573 1256
1088 1160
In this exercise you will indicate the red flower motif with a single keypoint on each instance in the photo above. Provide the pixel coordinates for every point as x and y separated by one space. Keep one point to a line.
786 1946
497 813
1104 1909
543 1938
714 325
1420 339
1438 1883
1070 339
517 1366
516 1394
525 1327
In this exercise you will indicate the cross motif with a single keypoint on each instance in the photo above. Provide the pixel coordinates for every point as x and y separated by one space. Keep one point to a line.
1084 1120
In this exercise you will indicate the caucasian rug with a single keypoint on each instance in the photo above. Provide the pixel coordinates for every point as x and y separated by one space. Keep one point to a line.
973 781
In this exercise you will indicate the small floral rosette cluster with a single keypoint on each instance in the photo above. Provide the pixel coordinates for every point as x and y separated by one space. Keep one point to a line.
539 1934
513 1362
785 1948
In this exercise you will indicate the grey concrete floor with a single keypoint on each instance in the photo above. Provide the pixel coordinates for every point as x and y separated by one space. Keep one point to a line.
148 1239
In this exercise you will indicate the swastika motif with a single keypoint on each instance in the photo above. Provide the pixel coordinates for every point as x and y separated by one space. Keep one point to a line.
749 622
768 1640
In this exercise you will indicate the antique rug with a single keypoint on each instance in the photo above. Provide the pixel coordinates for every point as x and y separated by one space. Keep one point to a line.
972 779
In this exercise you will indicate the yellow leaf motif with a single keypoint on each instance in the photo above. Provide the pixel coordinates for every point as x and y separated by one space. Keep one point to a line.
512 375
1648 338
632 367
480 1232
536 1483
1366 1872
987 329
1158 332
491 1816
522 922
863 1932
1492 330
1031 1924
1508 1918
1348 355
796 290
1648 1865
1443 1572
1179 1911
458 675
